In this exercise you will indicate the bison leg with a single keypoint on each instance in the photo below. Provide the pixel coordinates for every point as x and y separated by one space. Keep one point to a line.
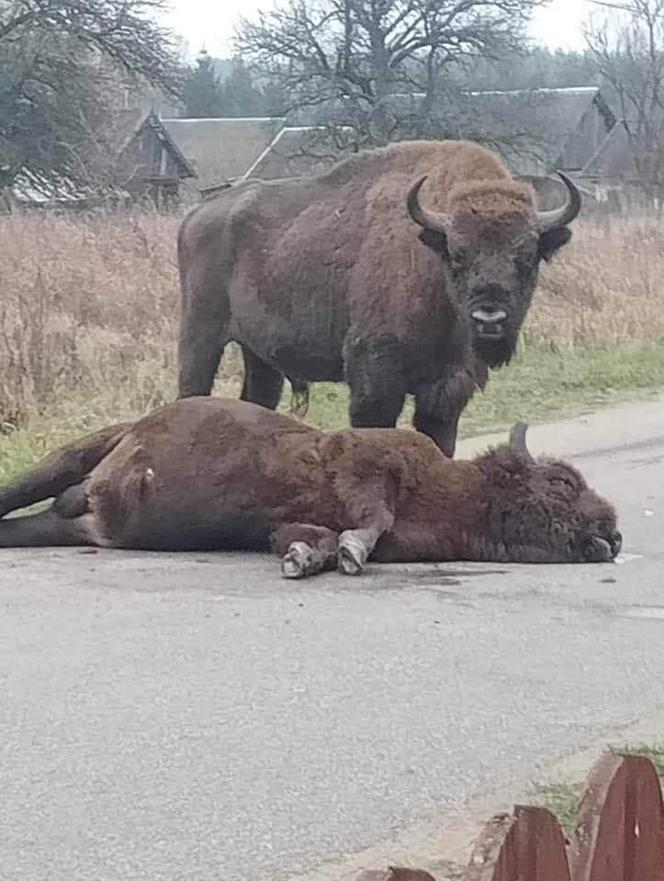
47 529
262 383
63 468
305 549
442 430
299 398
203 331
374 375
439 406
356 545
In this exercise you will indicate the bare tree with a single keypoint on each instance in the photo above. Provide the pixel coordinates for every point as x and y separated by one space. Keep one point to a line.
345 60
627 47
122 30
58 64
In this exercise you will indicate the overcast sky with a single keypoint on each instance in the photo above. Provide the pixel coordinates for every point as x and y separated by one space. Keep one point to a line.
210 23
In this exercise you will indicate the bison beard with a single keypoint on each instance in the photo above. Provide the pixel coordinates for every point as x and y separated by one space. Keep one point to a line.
370 273
205 473
496 352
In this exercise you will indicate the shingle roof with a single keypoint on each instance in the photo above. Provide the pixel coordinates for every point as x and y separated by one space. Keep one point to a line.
536 131
614 157
39 188
220 150
539 130
151 121
295 150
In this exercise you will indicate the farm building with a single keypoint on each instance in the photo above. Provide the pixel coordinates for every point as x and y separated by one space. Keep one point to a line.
537 132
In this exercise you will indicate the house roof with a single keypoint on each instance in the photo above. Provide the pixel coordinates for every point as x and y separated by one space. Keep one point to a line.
134 124
39 188
220 150
539 130
535 130
614 157
295 150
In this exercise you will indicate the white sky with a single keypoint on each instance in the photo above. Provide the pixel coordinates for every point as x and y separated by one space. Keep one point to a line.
210 23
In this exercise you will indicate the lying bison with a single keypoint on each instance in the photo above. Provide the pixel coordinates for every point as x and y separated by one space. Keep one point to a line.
329 278
205 473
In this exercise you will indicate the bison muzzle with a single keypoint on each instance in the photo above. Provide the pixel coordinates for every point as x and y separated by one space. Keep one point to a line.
210 474
404 270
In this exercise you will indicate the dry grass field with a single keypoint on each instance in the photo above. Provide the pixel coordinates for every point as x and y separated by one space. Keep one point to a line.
88 322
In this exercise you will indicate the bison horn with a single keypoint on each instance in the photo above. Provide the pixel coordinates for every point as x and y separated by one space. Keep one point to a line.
559 217
518 440
428 219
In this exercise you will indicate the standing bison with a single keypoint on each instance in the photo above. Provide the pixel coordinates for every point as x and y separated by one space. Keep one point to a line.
328 278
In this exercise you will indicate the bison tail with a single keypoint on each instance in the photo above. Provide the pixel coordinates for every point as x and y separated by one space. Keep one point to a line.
299 398
60 470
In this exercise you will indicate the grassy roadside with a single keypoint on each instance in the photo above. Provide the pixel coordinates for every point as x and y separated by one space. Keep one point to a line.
542 384
562 799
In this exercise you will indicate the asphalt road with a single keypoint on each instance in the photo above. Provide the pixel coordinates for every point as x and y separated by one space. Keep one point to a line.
196 717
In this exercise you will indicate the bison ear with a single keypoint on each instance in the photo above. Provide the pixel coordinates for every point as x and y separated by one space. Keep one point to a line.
552 240
437 241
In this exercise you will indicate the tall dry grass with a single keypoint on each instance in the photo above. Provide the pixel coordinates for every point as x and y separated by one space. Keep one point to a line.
605 289
89 308
85 305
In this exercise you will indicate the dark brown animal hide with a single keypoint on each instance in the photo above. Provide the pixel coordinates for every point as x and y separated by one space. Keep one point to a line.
404 270
206 473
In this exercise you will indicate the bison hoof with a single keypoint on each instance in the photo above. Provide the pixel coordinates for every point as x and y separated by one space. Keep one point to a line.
352 555
299 561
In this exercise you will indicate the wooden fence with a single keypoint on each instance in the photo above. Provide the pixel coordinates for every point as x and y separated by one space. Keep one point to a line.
619 835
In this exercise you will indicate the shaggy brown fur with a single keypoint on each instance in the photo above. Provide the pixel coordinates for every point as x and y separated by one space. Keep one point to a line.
328 278
207 473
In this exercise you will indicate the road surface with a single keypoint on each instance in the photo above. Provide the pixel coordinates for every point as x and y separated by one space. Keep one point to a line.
196 717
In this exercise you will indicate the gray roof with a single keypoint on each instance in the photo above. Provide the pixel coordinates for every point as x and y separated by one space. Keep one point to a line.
296 150
614 157
129 133
39 188
539 130
536 130
221 150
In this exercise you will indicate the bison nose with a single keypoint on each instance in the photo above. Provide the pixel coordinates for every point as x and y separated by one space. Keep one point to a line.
489 315
489 321
615 540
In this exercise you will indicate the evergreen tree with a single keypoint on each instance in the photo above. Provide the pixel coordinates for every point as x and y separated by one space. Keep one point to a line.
239 95
202 93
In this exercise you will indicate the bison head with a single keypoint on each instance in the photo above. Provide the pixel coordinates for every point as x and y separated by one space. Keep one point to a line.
544 510
492 241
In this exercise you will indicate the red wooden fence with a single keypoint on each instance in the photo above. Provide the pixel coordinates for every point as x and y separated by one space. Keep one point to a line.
619 835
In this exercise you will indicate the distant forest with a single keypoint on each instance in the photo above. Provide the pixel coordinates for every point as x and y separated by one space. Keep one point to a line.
226 87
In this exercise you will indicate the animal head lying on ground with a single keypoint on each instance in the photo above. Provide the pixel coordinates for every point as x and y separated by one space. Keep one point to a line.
546 502
206 473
